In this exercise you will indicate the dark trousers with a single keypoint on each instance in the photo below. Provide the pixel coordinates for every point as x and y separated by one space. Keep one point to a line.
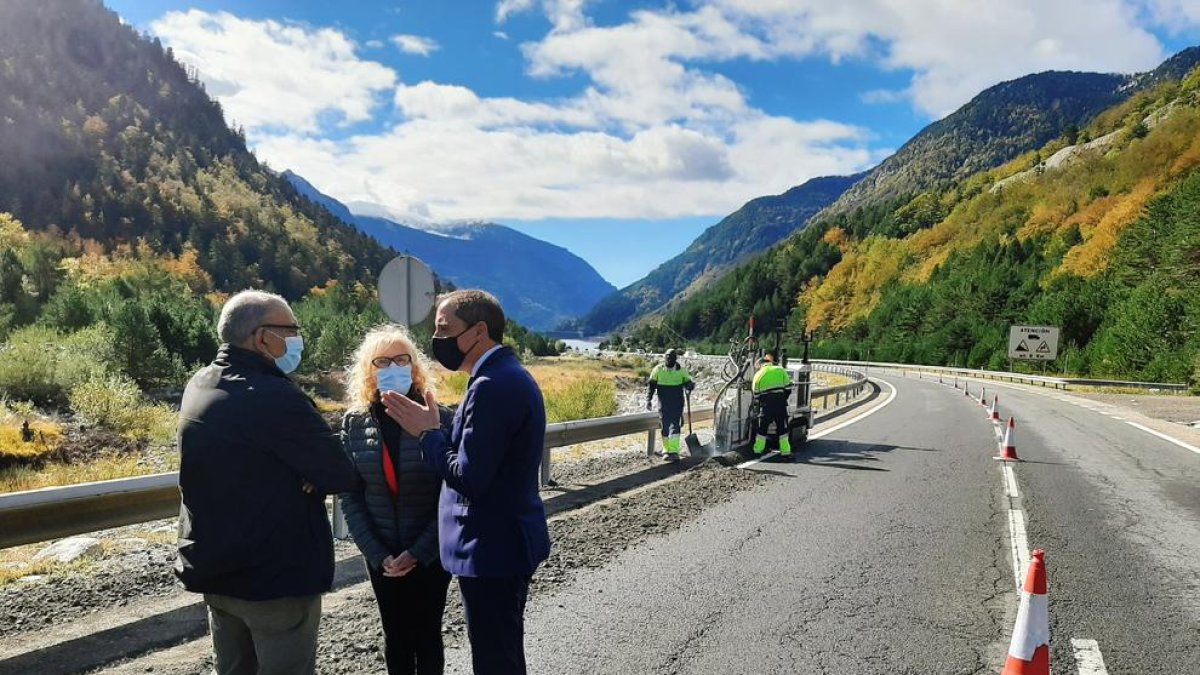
411 608
773 408
495 609
671 413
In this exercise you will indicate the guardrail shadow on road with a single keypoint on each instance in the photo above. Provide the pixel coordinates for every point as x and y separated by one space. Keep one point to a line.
582 494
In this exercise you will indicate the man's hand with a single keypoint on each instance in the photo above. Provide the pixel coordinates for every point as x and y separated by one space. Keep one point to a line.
399 565
412 416
308 487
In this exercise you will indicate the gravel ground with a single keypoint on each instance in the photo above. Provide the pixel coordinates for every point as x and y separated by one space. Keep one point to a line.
115 579
1179 409
351 639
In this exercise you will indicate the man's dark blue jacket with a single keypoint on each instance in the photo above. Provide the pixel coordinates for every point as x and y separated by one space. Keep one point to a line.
491 519
249 439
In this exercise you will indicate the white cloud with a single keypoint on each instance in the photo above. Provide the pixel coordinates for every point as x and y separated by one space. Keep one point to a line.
1175 15
563 14
656 131
415 44
955 49
273 75
374 44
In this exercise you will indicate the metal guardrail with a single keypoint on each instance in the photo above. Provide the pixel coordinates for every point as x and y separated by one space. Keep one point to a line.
50 513
1042 380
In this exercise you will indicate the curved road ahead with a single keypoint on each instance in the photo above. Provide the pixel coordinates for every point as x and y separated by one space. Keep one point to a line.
886 549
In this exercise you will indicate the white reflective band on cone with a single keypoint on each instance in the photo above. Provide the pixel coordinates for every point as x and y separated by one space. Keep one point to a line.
1033 627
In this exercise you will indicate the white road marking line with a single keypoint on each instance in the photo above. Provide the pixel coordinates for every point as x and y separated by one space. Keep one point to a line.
891 397
1017 539
1088 657
1165 437
1010 481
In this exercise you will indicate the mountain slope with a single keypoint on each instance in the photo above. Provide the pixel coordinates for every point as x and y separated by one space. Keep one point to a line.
105 137
541 285
1098 237
1000 123
753 228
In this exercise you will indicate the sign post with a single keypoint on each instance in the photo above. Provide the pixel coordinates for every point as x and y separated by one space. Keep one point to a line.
406 290
1033 343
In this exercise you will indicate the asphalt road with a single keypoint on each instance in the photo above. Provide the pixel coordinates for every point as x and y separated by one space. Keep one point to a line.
886 550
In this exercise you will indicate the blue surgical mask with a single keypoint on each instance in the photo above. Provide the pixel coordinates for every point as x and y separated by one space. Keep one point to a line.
395 378
291 358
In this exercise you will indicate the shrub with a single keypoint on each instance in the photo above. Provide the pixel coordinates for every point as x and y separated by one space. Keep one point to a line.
116 404
41 365
582 398
452 386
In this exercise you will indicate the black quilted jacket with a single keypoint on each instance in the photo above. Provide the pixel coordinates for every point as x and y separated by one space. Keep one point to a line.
380 525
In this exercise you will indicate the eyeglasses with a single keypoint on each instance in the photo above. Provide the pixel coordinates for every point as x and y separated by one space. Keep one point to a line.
282 326
385 361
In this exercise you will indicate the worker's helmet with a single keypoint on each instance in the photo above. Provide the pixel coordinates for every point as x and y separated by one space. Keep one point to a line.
768 358
672 352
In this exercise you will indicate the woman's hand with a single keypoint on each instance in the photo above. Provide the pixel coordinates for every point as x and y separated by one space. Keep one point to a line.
399 565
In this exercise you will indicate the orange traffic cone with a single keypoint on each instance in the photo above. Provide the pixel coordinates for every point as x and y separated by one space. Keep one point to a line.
1029 651
995 411
1009 452
966 390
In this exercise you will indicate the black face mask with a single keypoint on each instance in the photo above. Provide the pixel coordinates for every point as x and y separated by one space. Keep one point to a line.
447 353
671 361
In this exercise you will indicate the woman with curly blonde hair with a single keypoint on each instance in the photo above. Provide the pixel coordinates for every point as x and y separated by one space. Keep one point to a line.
393 516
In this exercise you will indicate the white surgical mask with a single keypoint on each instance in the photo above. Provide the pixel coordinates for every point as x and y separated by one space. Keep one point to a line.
394 378
291 358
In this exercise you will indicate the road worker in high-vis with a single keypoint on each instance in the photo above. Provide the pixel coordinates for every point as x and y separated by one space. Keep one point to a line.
670 380
772 385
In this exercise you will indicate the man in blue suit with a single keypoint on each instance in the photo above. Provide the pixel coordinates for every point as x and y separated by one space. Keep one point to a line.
492 525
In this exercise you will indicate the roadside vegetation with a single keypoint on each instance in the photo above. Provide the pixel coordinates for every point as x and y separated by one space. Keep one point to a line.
91 421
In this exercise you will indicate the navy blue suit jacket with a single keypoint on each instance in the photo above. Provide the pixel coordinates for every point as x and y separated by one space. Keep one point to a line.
491 522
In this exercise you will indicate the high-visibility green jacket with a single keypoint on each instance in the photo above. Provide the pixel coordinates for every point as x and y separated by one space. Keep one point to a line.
664 376
770 378
669 383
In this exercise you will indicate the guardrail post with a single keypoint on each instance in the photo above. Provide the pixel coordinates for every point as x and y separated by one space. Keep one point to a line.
340 529
545 466
650 442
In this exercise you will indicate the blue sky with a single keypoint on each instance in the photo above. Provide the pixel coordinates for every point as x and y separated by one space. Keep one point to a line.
619 129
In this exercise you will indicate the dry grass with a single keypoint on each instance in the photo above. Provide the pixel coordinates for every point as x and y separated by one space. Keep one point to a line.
53 474
13 568
46 438
553 374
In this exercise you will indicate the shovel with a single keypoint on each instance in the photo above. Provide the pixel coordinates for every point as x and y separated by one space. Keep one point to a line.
694 446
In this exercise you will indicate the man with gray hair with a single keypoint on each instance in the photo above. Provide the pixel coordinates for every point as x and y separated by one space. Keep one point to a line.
257 460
